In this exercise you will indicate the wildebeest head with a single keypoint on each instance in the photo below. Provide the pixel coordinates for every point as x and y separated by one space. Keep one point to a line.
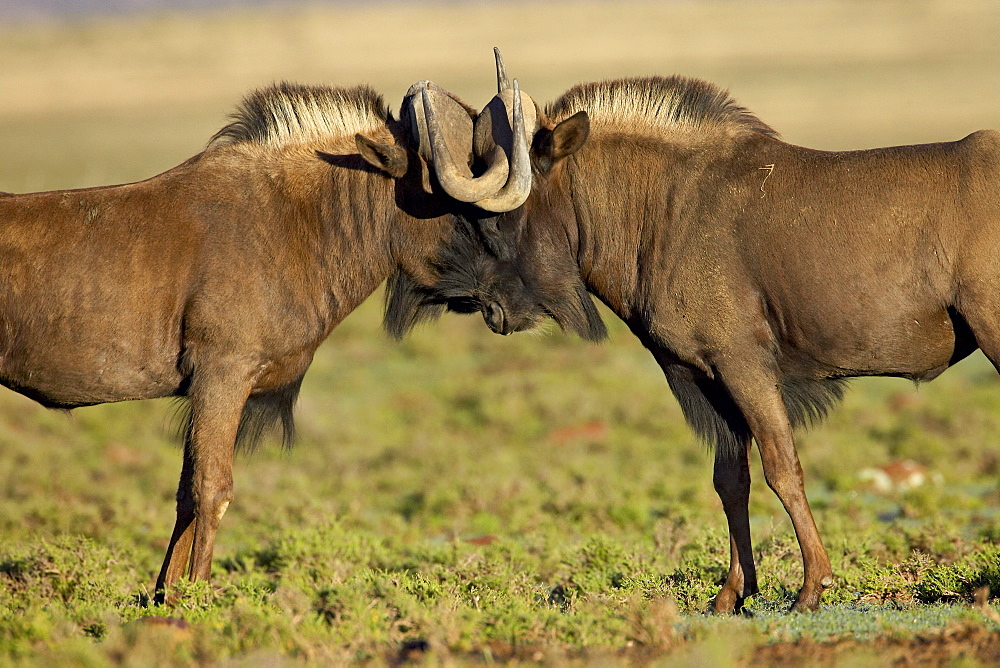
448 160
513 272
447 155
408 158
472 166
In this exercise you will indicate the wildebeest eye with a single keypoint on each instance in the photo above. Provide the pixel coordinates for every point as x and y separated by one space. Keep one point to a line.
463 305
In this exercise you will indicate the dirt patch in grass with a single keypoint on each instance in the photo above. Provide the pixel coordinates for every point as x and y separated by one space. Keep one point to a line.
970 644
933 647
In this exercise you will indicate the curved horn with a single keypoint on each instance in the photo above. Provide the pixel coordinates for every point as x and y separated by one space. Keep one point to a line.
450 176
412 112
502 82
518 185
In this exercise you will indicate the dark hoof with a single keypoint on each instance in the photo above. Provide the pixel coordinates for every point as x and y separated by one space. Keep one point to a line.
164 600
729 603
808 600
806 604
726 603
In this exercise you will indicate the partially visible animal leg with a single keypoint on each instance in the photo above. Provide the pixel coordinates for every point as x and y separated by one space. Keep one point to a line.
179 549
206 485
783 473
708 408
764 410
978 304
732 483
215 419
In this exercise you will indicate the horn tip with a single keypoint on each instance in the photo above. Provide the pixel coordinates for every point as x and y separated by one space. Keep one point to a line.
501 71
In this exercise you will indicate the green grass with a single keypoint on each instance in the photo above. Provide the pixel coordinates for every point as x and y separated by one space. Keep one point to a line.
474 495
462 497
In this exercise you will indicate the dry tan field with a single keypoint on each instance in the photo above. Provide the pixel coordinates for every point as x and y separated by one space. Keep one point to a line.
117 96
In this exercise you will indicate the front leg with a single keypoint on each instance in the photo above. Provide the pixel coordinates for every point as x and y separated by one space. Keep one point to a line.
784 476
710 411
206 485
732 483
756 391
175 562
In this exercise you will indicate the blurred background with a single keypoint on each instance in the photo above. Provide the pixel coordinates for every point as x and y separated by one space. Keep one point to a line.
94 92
456 430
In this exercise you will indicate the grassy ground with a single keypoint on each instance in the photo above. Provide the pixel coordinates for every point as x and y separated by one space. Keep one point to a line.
463 497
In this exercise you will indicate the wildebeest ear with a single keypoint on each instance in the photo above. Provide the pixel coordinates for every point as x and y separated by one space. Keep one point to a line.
551 146
390 158
569 136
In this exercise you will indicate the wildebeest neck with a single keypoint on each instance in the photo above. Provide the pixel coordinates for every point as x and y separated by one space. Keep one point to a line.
334 229
627 198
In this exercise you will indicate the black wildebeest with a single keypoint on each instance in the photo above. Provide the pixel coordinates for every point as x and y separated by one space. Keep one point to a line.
218 279
759 274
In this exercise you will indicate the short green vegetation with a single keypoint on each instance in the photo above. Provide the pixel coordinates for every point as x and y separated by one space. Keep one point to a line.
466 496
